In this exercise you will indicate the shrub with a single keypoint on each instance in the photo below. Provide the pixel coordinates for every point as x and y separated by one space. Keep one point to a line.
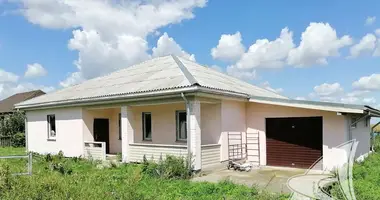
376 144
172 167
12 124
6 180
18 140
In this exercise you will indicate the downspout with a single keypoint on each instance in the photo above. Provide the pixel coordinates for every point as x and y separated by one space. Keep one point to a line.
373 136
189 155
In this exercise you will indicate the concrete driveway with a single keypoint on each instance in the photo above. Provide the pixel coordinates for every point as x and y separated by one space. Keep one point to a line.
272 179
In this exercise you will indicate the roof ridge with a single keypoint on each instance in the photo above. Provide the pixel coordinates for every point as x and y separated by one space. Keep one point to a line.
236 79
185 71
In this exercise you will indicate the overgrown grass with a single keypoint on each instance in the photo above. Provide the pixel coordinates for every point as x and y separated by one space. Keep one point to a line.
366 177
56 177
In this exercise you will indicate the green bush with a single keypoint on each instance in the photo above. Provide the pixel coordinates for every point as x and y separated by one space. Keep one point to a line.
128 181
18 140
172 167
376 144
12 124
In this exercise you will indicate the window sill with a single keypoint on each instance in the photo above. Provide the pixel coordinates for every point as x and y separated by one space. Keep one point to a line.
52 139
181 141
147 140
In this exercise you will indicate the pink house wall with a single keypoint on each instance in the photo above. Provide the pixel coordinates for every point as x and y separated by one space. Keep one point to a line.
69 135
233 121
334 126
112 115
164 123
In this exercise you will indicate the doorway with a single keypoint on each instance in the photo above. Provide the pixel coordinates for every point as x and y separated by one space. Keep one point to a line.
101 132
294 142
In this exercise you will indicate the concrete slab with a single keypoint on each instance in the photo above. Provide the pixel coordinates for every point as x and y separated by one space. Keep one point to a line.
273 179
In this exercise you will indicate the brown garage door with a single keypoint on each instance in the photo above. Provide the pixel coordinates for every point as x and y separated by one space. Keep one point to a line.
293 142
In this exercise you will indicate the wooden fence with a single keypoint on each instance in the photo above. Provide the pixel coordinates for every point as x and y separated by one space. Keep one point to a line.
5 141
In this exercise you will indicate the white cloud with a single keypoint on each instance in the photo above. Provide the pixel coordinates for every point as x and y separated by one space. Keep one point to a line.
318 42
370 100
7 76
335 93
377 32
267 86
357 93
371 82
366 44
370 20
108 35
229 47
98 57
267 54
377 49
349 100
328 90
72 79
9 89
245 74
35 70
300 98
166 46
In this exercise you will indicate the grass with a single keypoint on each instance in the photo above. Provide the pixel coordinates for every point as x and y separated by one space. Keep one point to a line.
64 178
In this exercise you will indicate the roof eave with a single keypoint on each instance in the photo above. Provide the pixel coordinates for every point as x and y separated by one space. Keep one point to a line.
122 97
315 105
373 111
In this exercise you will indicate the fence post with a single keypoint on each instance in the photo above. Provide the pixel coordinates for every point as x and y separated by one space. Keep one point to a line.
30 163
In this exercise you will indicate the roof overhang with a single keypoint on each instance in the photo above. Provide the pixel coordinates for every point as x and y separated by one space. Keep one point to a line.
373 112
316 105
125 98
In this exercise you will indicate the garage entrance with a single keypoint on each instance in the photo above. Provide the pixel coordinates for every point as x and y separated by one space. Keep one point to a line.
294 142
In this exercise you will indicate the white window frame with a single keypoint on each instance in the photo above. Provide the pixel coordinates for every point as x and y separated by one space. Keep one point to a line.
49 127
144 127
178 138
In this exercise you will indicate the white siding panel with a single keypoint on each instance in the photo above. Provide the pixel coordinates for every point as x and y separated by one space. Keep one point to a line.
210 155
137 151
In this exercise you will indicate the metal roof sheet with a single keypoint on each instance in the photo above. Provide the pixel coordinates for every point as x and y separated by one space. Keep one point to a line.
162 73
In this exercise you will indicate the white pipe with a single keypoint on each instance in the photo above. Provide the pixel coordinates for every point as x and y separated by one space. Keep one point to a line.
187 128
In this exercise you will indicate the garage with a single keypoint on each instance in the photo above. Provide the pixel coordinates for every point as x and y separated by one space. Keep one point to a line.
293 142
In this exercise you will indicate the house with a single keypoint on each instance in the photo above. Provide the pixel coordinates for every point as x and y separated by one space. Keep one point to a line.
173 106
7 105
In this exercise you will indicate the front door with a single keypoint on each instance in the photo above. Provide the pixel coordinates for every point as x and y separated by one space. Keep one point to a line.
101 132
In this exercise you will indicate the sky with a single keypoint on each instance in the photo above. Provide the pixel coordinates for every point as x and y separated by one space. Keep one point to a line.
314 50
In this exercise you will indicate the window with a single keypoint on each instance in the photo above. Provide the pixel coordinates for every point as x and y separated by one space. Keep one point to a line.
147 125
51 127
181 125
119 126
353 119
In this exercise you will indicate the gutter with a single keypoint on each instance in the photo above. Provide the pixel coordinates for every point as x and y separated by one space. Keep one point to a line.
188 129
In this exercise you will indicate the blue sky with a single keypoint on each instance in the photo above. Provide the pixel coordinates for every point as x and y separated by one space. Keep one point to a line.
51 44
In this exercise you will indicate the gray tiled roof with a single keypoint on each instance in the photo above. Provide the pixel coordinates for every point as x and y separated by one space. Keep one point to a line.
168 72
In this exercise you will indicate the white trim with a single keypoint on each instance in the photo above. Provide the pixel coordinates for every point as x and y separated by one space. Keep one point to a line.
210 145
309 106
158 145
